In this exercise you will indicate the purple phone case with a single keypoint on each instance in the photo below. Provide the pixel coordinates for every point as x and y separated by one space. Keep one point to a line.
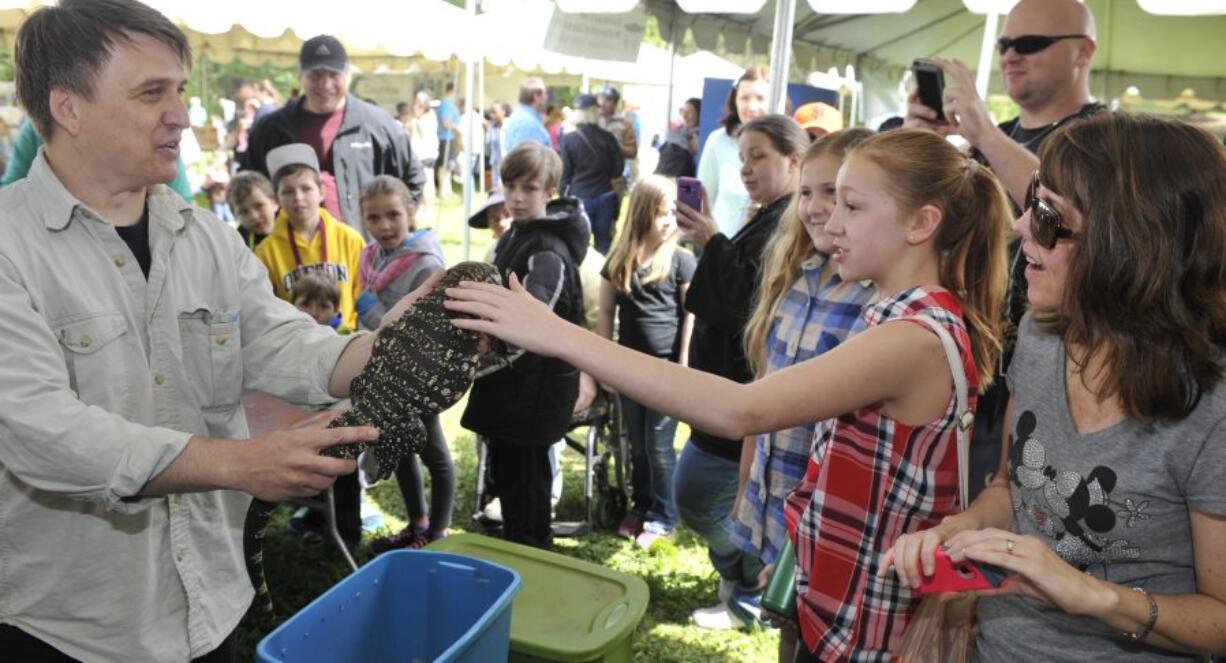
689 191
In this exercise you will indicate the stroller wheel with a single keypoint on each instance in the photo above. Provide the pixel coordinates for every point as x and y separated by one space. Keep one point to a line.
611 507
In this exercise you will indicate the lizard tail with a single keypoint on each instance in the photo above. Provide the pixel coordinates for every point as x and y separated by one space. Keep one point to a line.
254 528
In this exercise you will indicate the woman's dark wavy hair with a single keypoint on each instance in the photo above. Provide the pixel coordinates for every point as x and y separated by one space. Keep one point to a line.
1147 279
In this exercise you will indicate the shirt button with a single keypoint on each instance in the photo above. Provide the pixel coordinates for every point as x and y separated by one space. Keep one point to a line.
120 261
221 340
86 340
159 379
179 557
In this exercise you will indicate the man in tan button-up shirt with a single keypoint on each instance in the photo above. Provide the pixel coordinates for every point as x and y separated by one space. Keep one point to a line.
132 324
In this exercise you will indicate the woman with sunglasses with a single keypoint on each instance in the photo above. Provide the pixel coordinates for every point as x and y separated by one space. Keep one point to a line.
1109 511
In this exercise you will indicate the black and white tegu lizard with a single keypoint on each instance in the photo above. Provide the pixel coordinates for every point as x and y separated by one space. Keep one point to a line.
420 365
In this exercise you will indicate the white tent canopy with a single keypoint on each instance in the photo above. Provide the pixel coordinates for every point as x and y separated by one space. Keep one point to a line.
432 28
1161 55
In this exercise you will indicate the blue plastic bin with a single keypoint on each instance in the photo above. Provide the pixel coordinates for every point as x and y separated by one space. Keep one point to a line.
408 606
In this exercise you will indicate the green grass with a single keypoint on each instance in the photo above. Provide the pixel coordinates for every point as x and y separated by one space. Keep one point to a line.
676 571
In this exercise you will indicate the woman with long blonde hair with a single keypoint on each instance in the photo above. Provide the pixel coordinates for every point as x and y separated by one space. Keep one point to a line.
644 283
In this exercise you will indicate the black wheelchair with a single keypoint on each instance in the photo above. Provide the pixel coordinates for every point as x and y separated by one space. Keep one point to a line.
599 435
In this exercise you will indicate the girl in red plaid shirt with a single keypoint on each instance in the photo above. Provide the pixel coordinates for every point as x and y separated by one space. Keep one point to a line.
928 227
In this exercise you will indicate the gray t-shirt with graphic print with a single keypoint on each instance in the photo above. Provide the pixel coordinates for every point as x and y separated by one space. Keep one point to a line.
1113 503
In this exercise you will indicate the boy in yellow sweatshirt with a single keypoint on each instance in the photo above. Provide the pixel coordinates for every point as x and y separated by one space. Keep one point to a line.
305 237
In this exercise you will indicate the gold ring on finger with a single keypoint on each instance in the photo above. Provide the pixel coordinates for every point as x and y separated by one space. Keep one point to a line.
1009 546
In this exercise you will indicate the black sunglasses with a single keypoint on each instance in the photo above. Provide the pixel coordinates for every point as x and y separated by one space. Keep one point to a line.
1046 222
1028 44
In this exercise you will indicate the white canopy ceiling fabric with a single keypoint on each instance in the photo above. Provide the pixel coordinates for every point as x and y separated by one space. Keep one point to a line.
1160 54
273 30
1170 51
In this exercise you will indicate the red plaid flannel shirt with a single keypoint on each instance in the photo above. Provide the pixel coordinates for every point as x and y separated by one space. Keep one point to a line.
869 480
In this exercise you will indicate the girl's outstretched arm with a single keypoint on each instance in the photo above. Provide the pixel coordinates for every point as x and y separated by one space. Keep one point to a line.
900 367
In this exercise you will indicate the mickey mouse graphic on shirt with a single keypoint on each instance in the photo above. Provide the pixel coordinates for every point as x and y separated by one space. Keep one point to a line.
1076 511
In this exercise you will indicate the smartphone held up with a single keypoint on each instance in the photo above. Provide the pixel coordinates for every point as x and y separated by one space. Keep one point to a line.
689 191
930 83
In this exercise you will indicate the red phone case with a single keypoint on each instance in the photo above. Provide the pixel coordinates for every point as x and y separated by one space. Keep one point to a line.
950 577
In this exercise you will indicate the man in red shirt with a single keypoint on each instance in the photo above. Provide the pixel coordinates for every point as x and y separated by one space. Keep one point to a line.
354 140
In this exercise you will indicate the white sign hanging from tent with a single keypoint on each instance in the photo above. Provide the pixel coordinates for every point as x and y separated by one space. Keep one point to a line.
603 37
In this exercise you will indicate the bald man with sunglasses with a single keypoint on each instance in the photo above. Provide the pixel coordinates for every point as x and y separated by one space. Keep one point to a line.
1045 52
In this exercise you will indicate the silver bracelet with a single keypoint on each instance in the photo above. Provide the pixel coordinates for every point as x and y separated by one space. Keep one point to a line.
1150 621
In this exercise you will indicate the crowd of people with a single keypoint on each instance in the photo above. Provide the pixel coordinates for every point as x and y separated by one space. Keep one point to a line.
826 317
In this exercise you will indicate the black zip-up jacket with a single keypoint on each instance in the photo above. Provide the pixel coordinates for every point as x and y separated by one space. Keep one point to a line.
721 299
368 143
530 401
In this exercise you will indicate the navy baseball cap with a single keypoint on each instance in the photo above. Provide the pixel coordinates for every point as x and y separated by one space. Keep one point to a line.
323 51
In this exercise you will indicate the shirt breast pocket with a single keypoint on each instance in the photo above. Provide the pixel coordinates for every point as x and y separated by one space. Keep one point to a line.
212 355
97 361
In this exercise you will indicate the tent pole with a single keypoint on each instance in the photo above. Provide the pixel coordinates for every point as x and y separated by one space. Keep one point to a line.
479 108
984 76
470 133
781 53
672 70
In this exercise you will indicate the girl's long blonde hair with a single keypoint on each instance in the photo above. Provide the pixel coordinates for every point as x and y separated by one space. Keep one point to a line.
787 250
923 169
648 196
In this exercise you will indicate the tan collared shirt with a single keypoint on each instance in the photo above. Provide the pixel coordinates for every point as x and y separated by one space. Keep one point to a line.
104 376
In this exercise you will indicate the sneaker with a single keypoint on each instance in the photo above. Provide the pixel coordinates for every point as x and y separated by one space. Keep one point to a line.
297 525
631 525
652 531
372 517
493 510
406 539
312 537
733 612
717 618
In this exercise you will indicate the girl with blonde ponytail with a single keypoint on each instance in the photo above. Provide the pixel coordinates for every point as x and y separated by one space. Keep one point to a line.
913 216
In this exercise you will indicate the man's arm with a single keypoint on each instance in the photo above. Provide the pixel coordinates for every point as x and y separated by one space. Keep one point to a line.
968 116
50 439
629 141
273 467
1011 161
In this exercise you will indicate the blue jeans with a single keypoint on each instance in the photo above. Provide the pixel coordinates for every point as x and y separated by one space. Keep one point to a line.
705 488
602 211
652 460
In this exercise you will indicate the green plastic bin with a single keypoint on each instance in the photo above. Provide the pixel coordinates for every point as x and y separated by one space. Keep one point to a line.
567 609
